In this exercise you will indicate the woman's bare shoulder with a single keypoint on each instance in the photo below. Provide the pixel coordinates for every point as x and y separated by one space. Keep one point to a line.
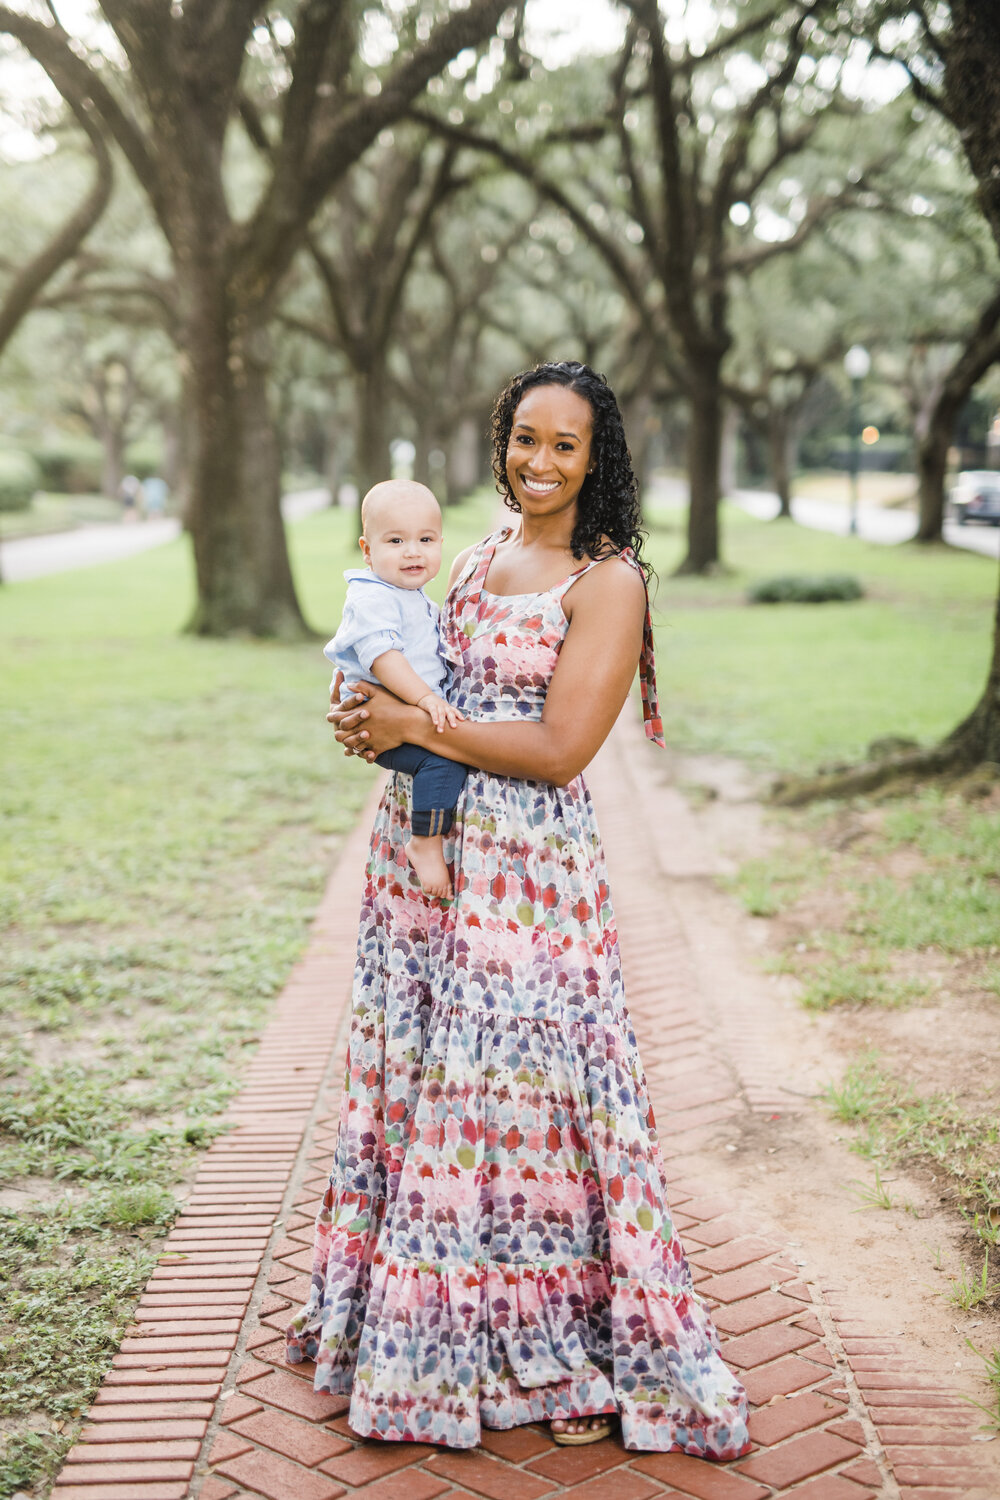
460 562
616 588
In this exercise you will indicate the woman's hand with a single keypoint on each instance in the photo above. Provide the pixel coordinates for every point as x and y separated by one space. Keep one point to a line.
371 720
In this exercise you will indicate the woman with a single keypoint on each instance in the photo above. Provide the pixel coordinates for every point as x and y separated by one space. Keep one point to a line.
495 1246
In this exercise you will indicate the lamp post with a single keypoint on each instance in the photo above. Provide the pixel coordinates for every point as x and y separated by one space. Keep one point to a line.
857 363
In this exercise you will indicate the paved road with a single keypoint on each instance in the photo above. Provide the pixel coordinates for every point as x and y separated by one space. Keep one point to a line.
875 522
27 557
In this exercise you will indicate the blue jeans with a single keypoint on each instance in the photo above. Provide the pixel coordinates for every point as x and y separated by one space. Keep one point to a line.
437 784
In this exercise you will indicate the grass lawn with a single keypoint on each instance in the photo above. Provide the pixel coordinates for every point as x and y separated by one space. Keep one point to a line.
170 808
790 686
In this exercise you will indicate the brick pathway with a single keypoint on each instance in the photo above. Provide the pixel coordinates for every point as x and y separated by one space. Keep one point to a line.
199 1404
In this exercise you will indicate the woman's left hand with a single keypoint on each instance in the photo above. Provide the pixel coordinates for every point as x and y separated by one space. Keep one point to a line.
375 721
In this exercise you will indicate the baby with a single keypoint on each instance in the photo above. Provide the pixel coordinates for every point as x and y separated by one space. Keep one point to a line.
389 634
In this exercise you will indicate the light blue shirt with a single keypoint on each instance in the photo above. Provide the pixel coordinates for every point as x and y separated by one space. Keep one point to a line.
380 617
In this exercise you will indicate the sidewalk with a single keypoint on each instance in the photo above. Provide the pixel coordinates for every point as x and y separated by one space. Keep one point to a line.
23 558
199 1403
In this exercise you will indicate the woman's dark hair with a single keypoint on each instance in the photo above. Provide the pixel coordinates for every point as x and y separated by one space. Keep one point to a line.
608 514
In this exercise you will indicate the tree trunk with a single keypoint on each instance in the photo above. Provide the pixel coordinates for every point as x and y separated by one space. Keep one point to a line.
112 460
422 444
778 456
372 461
977 738
241 559
704 443
932 467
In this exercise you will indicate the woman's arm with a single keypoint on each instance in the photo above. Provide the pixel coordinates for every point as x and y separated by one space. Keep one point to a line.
588 688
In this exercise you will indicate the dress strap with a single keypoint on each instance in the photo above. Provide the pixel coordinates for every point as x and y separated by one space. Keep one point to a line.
477 564
651 720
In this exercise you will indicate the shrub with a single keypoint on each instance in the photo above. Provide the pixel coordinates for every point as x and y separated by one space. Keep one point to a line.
20 477
71 464
805 589
144 457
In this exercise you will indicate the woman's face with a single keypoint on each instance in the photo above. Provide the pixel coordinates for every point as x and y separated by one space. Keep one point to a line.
548 451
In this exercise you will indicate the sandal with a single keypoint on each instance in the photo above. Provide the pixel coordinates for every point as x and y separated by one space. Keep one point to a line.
594 1434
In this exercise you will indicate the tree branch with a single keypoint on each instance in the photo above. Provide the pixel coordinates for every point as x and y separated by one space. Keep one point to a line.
22 294
77 82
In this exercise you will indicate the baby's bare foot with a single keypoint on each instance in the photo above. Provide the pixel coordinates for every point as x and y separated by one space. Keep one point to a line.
426 856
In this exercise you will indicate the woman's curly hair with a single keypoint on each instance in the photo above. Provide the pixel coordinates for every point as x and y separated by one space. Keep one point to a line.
608 514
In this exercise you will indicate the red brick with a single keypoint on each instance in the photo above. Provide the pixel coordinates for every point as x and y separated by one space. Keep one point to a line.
765 1344
821 1353
693 1476
251 1370
810 1323
158 1490
896 1380
278 1479
707 1207
753 1312
273 1352
170 1359
947 1455
919 1405
142 1432
735 1285
852 1431
217 1489
572 1465
778 1379
517 1444
237 1407
410 1484
303 1441
138 1393
153 1316
228 1446
915 1435
156 1374
127 1473
272 1303
832 1487
486 1476
192 1329
622 1484
149 1411
717 1232
798 1459
863 1472
733 1254
373 1460
163 1450
921 1492
798 1290
278 1388
177 1343
772 1424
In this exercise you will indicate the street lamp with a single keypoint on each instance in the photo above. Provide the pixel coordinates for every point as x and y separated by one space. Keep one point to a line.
857 363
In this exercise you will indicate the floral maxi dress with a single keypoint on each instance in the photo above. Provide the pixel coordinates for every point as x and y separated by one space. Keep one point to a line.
495 1245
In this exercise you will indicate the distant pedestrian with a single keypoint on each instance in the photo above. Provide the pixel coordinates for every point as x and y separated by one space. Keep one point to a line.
155 491
131 497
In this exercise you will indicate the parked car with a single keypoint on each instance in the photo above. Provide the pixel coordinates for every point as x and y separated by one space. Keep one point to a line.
976 497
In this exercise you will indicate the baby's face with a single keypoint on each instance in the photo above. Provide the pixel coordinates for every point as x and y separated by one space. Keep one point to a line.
402 541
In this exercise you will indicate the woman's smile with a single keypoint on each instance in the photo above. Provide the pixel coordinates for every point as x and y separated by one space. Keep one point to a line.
548 452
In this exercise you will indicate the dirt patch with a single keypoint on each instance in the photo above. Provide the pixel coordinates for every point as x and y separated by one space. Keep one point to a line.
796 1168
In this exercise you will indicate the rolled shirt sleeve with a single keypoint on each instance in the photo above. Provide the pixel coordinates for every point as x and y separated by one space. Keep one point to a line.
369 648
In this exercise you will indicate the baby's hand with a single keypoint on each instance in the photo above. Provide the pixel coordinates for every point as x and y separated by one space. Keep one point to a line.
441 712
